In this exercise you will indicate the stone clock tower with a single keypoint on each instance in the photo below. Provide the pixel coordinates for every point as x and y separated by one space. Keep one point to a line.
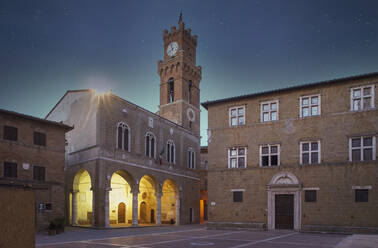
180 78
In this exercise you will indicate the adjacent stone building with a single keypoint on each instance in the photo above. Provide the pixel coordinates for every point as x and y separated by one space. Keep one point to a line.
32 156
128 166
300 158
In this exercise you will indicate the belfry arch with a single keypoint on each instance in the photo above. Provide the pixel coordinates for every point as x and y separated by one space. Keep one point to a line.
81 199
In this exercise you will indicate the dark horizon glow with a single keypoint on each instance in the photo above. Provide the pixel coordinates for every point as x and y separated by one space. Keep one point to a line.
49 47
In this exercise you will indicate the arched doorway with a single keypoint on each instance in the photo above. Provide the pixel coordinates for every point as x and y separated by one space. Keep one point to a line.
284 202
169 202
120 199
82 199
147 197
122 213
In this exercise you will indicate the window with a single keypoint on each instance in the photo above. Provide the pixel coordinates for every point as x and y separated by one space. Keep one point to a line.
10 169
10 133
270 155
237 116
237 196
191 159
171 152
361 195
237 157
310 152
310 195
362 98
309 105
269 111
39 139
39 173
362 148
190 92
123 136
150 145
171 90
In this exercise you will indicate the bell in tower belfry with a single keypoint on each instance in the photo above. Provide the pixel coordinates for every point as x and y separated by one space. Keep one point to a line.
180 78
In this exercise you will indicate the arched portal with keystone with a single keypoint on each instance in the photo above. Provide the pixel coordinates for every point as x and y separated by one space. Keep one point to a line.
284 202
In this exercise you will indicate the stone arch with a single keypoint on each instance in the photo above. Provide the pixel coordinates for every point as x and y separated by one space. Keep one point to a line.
284 178
81 199
148 192
120 192
170 206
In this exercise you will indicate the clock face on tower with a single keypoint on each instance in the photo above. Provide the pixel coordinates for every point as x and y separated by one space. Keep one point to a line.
172 49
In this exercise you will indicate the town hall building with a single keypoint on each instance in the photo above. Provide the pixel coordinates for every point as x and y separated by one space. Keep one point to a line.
128 166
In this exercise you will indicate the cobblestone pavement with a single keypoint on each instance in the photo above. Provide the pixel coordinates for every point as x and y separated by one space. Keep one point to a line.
186 236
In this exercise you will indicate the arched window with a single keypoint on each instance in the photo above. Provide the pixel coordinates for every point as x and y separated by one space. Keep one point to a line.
171 152
150 145
190 92
191 158
123 136
171 90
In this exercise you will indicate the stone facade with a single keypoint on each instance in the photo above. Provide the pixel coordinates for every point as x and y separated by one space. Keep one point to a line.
119 165
24 154
335 178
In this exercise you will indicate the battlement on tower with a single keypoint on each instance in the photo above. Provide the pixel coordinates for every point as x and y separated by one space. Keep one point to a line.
174 33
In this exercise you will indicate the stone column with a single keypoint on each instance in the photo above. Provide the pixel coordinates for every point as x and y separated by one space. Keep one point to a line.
178 207
74 206
158 208
93 224
135 206
106 207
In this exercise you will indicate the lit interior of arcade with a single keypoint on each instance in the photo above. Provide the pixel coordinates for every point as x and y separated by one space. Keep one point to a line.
168 202
81 211
120 202
147 201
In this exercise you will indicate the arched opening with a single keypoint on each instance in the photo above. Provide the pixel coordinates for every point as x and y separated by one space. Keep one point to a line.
82 199
168 202
120 200
147 198
171 91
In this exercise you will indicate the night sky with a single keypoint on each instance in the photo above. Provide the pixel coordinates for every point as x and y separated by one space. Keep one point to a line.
49 47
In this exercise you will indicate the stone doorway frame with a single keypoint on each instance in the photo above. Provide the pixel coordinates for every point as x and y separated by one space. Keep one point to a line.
280 184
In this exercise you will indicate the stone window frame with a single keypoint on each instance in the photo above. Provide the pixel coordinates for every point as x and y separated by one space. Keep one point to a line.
15 164
359 188
150 155
362 147
310 151
237 156
238 116
191 158
45 173
124 127
269 111
270 154
237 191
171 158
361 97
310 105
10 133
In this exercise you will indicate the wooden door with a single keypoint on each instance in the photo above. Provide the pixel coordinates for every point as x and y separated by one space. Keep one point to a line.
284 211
122 213
143 212
152 216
